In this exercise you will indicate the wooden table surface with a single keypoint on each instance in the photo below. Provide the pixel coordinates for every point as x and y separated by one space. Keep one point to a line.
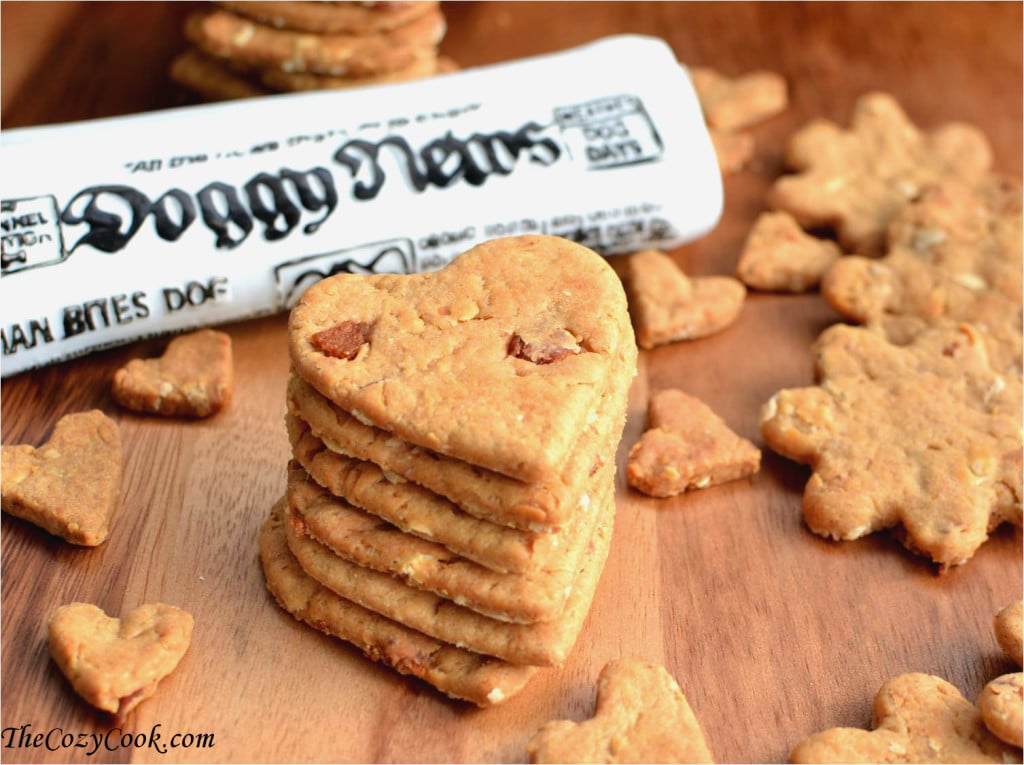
772 632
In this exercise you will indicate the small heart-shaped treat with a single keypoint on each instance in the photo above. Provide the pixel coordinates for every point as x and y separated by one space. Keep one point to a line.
780 256
500 359
668 306
731 103
1001 704
70 486
193 378
115 664
687 446
1007 626
641 716
917 718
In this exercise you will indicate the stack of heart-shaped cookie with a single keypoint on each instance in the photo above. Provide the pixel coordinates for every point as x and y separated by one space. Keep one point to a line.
450 500
244 49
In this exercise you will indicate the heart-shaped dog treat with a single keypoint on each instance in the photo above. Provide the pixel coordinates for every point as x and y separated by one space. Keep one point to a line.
193 378
115 664
498 360
71 485
668 306
641 716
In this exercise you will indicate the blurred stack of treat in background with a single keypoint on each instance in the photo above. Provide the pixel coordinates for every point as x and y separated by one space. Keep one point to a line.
246 49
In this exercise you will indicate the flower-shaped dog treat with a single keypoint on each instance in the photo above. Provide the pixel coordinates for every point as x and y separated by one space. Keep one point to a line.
916 718
924 436
953 254
856 180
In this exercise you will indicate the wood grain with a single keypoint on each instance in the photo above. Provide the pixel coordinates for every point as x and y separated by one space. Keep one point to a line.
773 632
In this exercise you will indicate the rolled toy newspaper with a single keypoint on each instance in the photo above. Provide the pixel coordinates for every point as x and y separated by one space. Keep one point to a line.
123 228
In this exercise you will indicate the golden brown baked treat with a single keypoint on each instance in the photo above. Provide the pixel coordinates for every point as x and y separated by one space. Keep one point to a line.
916 718
1007 628
417 69
419 512
537 594
226 35
1001 705
733 149
193 378
71 485
687 446
731 103
954 254
545 643
535 506
668 306
641 716
357 18
855 180
499 359
779 256
115 664
212 78
482 680
924 437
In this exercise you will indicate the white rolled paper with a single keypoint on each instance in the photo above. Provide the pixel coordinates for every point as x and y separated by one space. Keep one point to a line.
123 228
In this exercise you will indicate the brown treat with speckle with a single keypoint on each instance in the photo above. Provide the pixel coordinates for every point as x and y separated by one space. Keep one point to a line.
641 715
500 359
115 664
1007 627
779 256
193 378
70 486
954 254
916 718
667 306
687 446
456 672
856 180
925 438
356 18
731 103
1001 704
226 35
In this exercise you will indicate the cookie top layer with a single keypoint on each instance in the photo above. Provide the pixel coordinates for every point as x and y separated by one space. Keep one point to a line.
499 359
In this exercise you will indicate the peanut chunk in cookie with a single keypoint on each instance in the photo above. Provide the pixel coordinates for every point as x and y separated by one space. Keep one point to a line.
916 718
924 438
115 664
779 256
667 306
687 446
70 486
642 716
193 378
343 340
